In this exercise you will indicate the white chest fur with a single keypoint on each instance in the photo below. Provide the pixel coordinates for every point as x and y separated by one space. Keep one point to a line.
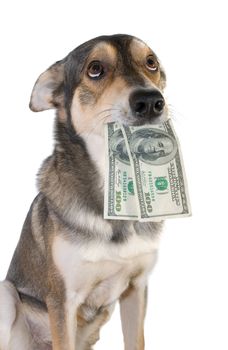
99 272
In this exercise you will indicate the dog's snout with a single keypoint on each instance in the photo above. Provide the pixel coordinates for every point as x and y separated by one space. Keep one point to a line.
146 103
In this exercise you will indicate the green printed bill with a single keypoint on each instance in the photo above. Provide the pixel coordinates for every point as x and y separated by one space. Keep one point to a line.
145 178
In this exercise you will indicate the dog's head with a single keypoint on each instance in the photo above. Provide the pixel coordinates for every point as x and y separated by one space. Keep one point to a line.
109 78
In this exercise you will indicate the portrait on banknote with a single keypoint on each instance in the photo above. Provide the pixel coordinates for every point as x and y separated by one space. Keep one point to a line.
153 146
118 147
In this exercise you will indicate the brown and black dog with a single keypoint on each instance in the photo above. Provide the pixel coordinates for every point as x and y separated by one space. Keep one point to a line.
71 266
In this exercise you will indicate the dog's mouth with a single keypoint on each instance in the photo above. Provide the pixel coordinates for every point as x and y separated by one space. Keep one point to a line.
149 121
127 118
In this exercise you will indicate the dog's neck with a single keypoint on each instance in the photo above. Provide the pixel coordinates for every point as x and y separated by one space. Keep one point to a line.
93 139
95 145
71 183
70 179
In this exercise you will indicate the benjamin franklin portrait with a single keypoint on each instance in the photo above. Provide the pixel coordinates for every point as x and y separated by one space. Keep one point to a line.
153 146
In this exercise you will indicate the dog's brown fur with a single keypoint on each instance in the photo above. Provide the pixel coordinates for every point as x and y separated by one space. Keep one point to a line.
42 304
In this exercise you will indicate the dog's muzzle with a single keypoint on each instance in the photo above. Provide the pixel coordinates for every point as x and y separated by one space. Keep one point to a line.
146 103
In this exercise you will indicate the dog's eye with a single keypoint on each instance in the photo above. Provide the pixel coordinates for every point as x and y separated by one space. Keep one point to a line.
151 63
95 70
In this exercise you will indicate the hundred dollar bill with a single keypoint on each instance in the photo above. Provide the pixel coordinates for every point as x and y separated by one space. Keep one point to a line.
120 199
158 172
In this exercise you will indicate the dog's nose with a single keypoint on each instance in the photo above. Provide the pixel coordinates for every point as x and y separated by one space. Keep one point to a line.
146 103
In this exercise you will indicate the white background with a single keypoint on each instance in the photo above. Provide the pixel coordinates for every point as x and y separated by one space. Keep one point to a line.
188 296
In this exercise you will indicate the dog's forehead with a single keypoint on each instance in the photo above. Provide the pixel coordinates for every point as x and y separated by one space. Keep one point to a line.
139 48
103 49
121 47
133 46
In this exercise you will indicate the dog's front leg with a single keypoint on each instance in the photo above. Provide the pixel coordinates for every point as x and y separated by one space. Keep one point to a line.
63 323
132 311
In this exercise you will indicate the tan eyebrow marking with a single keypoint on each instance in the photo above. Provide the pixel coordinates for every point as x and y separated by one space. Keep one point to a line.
103 51
139 50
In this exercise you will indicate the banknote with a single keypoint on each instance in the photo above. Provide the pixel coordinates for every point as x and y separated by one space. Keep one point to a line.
120 200
158 171
145 178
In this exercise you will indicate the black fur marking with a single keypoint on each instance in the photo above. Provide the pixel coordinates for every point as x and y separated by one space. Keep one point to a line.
32 301
66 134
126 67
120 231
86 96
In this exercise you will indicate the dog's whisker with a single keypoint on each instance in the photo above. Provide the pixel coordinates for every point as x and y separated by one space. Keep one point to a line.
101 120
106 110
174 113
110 104
97 125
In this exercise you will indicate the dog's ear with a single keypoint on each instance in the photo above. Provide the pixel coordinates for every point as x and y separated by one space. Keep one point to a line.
47 92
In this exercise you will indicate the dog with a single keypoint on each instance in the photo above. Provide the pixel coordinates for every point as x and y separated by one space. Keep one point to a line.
71 265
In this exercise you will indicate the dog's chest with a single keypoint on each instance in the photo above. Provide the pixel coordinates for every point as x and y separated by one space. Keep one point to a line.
98 273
